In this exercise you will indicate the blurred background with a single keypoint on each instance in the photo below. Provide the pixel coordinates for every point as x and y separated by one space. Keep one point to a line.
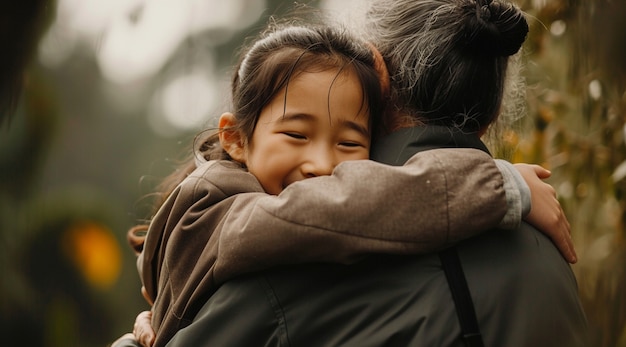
113 92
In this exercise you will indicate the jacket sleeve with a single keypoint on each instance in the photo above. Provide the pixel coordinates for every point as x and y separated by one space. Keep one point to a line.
177 262
517 195
437 198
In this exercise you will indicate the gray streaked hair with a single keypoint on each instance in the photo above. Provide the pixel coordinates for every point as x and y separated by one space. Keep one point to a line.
447 59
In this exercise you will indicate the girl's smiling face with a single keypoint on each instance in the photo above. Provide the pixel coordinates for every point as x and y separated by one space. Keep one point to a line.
319 121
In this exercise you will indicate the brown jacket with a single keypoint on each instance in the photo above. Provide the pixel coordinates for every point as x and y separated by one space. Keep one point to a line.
218 223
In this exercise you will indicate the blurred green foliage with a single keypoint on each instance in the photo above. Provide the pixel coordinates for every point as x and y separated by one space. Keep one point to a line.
75 174
576 73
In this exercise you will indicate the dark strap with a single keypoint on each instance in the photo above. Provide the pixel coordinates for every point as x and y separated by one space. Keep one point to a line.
461 296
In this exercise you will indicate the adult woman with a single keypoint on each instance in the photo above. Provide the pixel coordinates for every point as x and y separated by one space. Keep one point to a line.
447 61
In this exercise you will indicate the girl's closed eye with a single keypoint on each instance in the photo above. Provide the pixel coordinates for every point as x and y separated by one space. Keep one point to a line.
294 135
352 144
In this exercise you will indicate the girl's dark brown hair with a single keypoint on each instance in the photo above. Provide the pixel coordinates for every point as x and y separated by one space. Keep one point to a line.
265 68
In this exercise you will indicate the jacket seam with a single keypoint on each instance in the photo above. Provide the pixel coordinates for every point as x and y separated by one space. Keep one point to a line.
345 232
447 199
279 312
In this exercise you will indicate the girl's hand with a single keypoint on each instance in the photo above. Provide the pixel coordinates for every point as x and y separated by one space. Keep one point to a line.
546 213
143 329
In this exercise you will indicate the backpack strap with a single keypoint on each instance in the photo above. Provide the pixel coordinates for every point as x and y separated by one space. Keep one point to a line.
461 296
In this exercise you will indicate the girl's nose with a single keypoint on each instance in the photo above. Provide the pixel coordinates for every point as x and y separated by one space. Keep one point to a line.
320 163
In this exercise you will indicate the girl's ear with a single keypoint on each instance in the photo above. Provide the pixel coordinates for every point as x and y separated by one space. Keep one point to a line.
230 137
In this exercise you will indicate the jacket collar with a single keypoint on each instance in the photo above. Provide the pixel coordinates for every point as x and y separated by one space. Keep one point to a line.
397 147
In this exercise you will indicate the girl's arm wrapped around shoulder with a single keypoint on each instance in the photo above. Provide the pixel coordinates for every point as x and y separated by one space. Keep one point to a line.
437 198
219 224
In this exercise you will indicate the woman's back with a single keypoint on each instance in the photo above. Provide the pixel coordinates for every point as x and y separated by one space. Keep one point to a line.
523 291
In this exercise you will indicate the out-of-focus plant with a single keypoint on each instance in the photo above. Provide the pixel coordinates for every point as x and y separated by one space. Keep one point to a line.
21 25
575 69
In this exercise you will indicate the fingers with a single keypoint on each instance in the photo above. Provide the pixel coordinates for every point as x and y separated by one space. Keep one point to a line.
570 242
564 241
143 329
529 170
546 213
561 235
542 172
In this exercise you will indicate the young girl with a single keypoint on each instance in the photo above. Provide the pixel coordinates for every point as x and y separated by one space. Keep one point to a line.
305 99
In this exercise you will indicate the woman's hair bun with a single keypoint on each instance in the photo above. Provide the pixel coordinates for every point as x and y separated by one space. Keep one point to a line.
495 27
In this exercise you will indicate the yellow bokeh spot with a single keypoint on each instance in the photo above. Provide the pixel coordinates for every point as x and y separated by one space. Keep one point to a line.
95 252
